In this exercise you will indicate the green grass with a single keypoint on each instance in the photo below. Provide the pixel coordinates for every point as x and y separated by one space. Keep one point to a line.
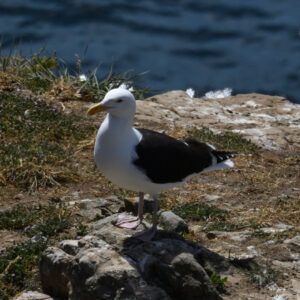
19 263
221 225
260 234
211 217
199 212
18 266
18 218
44 220
229 141
82 229
34 148
218 281
42 73
37 139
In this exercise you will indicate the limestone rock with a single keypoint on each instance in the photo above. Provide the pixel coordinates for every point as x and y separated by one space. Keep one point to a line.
170 221
111 264
54 272
92 209
270 121
238 236
70 246
196 228
173 264
296 286
33 295
277 228
105 230
287 264
99 273
294 241
167 219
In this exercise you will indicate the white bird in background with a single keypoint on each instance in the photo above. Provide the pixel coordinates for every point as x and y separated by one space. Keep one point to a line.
146 161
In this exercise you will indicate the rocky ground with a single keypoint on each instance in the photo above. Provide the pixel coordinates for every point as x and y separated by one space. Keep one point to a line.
269 121
248 216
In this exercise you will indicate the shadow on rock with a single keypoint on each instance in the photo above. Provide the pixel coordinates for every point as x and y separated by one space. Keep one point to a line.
180 268
109 263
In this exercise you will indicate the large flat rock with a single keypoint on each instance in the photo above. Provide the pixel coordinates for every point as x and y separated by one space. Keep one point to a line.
271 122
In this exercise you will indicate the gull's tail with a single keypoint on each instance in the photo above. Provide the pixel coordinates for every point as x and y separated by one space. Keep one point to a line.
220 160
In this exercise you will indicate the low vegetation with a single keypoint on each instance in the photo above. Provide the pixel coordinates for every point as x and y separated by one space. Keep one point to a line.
18 268
42 226
210 217
49 76
228 140
37 139
218 281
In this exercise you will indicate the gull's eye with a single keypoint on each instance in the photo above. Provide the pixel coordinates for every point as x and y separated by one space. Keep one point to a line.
119 101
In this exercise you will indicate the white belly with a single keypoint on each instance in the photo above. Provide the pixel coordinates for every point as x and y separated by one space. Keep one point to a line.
118 167
114 156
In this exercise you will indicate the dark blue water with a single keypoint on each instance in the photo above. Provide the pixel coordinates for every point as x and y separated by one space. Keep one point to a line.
250 45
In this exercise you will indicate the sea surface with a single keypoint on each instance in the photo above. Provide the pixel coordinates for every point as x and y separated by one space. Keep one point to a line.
249 46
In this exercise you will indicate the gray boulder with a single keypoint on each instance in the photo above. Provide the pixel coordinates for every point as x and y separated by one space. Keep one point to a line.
169 221
104 274
111 264
54 272
96 208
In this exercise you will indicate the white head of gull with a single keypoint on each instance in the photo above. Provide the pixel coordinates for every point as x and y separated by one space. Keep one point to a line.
143 160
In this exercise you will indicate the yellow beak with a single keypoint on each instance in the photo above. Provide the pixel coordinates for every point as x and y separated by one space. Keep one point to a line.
96 109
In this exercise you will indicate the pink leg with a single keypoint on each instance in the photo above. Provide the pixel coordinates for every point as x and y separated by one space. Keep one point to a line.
141 206
132 222
147 235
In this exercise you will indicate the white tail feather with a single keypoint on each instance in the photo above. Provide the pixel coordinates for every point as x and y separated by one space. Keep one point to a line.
222 165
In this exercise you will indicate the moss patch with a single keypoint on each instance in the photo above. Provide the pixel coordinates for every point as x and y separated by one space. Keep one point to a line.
228 140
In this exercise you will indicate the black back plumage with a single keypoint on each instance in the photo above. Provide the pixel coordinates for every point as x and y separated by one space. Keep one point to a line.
168 160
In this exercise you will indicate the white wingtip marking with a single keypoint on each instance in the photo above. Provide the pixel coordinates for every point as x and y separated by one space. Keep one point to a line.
229 163
223 165
211 146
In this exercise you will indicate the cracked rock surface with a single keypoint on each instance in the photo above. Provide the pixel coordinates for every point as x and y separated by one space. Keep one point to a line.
109 263
272 122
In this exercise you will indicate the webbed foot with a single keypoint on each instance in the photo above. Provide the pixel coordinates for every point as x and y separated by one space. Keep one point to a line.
127 221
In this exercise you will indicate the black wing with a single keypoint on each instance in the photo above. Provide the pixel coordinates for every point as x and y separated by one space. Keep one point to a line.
166 160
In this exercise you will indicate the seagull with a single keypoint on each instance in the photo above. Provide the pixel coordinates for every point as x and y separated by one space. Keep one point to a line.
143 160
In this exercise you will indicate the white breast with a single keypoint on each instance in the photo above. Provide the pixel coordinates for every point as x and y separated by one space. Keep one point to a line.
114 152
114 155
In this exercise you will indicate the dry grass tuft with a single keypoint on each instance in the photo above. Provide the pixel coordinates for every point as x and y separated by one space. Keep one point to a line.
8 82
